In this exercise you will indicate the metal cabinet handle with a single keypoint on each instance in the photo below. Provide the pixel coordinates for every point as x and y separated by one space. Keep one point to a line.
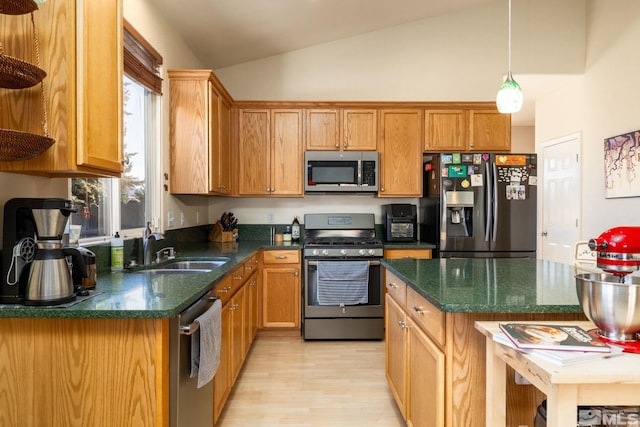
418 309
403 325
296 274
391 285
225 289
248 267
253 283
234 307
281 257
238 277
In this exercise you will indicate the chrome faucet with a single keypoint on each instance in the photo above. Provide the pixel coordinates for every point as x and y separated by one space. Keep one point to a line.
148 237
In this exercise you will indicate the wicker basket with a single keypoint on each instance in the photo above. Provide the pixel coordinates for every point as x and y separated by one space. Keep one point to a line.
18 74
17 7
16 145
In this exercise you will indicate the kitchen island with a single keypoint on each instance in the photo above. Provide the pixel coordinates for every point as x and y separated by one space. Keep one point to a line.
105 361
436 357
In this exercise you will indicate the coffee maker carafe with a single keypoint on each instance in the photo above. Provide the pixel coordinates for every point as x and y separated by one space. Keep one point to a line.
35 269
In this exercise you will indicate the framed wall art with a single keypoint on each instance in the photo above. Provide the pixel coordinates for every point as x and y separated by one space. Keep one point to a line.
622 165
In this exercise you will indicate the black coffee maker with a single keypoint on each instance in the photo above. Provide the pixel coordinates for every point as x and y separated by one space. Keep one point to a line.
35 270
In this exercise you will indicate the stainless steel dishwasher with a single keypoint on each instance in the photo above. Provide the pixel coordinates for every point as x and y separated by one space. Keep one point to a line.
189 405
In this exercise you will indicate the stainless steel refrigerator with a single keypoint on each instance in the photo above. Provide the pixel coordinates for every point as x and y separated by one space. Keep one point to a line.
480 205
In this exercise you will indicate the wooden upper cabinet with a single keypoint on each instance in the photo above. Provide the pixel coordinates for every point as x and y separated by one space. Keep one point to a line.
400 153
359 129
323 129
467 130
445 130
254 166
81 49
270 152
287 152
489 130
199 133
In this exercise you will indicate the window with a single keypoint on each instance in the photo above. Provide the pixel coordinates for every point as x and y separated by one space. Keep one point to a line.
107 205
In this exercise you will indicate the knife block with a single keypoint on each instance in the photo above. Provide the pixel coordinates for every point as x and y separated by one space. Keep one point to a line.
217 235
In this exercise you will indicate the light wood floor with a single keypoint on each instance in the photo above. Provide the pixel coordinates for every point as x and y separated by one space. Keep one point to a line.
291 382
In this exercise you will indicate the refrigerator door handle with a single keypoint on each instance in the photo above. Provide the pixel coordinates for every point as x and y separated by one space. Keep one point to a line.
443 220
487 202
495 202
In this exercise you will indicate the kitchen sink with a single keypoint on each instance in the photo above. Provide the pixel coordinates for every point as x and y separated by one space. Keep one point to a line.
181 267
209 264
162 271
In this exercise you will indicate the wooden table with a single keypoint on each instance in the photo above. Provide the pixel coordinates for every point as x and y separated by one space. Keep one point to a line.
614 381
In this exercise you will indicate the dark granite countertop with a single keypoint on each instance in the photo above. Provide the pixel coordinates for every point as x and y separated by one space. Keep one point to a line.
130 295
496 285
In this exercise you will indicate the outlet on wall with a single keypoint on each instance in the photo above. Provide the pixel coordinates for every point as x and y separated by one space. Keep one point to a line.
181 218
197 217
170 219
271 218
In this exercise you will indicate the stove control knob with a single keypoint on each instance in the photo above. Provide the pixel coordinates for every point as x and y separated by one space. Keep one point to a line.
372 252
362 252
315 252
325 252
343 251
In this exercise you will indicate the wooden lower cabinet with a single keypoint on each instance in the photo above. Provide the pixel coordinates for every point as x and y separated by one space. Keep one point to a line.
84 372
435 362
239 326
281 289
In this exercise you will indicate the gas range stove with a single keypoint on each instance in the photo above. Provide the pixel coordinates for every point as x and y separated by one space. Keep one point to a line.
341 236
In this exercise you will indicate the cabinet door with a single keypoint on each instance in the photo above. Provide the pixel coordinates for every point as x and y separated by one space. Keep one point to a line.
253 153
238 305
287 153
222 379
281 296
359 129
189 133
220 158
251 312
323 130
445 130
425 404
396 352
401 153
489 130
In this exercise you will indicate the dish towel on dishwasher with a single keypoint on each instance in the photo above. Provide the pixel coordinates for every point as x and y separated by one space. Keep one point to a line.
343 282
205 344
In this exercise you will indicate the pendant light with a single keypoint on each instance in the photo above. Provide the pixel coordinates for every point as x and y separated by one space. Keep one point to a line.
509 98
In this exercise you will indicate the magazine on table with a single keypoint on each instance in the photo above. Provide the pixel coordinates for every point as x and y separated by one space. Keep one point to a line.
560 357
553 337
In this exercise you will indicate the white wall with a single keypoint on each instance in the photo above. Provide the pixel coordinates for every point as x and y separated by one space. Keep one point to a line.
601 103
459 56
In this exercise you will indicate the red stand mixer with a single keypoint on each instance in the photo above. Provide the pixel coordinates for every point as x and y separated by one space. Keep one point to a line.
611 299
618 250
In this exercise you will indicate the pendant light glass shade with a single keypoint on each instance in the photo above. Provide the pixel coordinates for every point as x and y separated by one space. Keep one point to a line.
509 98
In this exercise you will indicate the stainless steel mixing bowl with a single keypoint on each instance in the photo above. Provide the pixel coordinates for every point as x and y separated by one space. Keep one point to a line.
613 306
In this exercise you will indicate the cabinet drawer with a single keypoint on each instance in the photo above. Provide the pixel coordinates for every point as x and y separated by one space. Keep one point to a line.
395 287
425 314
281 257
407 253
223 289
250 266
237 278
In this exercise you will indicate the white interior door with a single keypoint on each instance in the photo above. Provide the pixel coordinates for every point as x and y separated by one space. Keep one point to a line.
561 198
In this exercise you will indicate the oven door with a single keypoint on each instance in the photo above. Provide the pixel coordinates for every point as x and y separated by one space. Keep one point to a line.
313 308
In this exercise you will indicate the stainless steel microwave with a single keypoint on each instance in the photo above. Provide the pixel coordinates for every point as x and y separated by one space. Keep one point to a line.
341 171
